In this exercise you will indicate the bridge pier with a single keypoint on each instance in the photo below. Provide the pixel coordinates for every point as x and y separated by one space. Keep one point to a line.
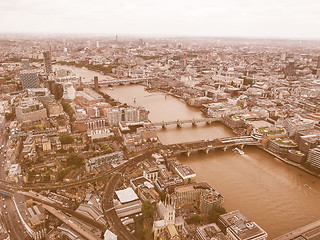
225 148
178 124
208 122
194 124
164 125
241 146
207 150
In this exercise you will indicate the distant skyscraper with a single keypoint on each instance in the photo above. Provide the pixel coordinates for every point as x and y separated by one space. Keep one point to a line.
29 79
140 43
25 64
96 83
290 71
47 62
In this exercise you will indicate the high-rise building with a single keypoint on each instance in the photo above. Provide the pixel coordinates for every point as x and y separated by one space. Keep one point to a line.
290 68
96 83
25 64
314 157
29 79
47 62
318 68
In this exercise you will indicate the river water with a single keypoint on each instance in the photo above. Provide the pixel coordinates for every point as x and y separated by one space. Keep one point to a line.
268 191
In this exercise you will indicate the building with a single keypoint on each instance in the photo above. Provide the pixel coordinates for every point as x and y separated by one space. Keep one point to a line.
30 109
128 203
237 226
33 217
46 144
184 171
145 189
88 97
281 145
14 171
96 83
201 194
308 232
151 173
314 157
116 115
169 226
209 232
29 79
115 159
25 64
308 139
47 62
108 235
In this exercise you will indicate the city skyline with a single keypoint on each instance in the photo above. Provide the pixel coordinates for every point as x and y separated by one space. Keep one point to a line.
245 18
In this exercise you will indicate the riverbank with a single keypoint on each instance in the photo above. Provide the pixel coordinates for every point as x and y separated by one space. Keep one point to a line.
296 165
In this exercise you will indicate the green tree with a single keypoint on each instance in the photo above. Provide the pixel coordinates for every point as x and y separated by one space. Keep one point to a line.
162 196
147 209
214 214
194 219
67 108
75 160
66 139
9 116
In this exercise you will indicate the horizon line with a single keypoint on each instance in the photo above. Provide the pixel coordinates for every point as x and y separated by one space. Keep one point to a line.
160 35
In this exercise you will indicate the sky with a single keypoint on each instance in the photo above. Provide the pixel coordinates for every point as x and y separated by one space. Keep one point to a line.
297 19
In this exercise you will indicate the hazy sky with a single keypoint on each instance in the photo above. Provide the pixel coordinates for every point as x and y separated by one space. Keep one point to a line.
246 18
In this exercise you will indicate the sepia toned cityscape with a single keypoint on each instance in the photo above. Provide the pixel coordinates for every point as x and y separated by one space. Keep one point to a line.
119 122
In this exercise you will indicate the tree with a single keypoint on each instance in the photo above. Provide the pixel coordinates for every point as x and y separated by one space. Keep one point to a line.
9 116
194 219
107 148
214 214
75 160
162 196
57 91
147 209
66 139
67 108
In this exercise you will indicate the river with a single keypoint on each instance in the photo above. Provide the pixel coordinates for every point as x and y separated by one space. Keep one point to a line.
268 191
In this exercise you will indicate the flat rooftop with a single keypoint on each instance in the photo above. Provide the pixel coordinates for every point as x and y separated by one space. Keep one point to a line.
126 195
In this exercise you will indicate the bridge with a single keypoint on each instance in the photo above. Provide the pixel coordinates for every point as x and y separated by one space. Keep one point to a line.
193 121
123 81
210 144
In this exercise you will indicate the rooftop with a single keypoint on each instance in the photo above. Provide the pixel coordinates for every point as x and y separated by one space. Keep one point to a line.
126 195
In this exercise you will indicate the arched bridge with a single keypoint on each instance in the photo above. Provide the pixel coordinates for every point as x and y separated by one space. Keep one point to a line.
123 81
193 121
207 145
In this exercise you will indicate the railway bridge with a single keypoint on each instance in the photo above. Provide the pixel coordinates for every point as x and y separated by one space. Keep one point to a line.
210 144
193 121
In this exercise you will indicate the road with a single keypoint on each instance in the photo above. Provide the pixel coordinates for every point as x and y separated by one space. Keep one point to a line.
3 160
12 220
108 196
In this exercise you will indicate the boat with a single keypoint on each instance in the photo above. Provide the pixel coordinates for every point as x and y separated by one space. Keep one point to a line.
307 186
238 151
111 88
